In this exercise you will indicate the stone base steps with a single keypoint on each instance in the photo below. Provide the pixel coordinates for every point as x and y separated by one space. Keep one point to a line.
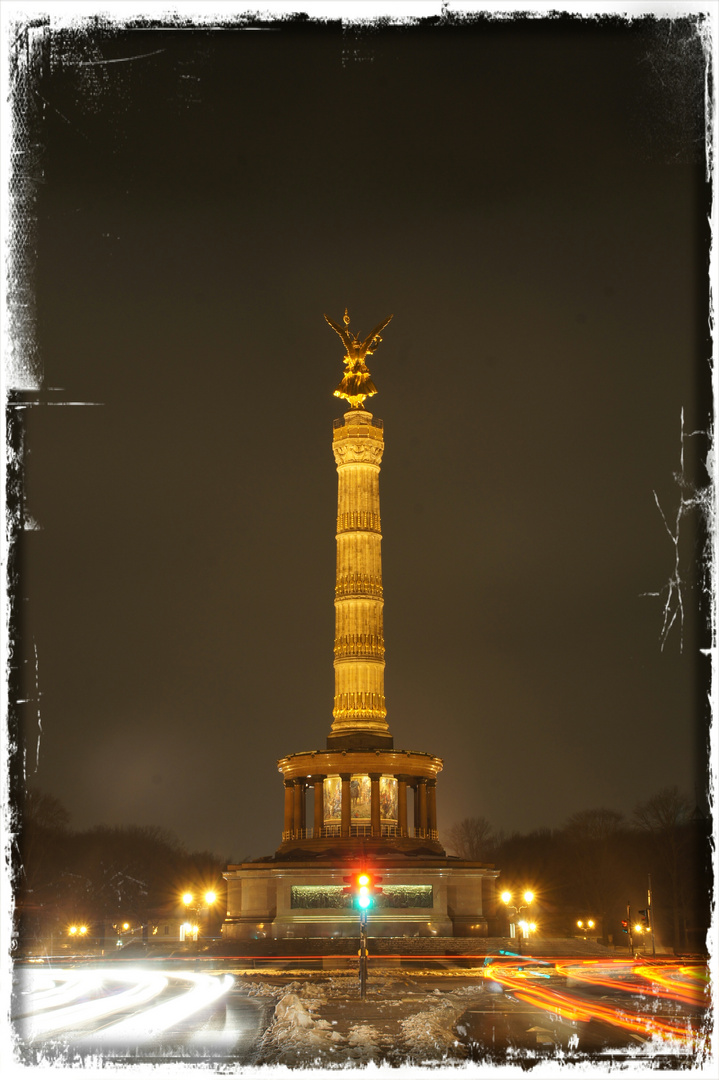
413 946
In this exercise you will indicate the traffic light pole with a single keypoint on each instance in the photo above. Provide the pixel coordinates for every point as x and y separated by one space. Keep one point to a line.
629 929
363 954
650 913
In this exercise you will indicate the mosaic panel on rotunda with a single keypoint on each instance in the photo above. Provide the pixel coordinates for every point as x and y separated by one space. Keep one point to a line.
360 800
388 799
334 896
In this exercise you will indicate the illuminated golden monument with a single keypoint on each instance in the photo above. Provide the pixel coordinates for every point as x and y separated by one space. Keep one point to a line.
357 385
359 786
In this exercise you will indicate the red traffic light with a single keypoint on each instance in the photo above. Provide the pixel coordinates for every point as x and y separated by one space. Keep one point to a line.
363 886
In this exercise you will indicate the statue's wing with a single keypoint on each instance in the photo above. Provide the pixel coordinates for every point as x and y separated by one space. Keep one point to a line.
344 334
370 337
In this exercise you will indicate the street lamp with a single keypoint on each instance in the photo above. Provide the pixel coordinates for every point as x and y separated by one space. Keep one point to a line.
195 908
526 927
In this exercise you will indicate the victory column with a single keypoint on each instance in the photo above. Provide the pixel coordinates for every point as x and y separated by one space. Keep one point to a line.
359 784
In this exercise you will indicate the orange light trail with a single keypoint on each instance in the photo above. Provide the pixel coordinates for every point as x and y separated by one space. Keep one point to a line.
574 1008
670 981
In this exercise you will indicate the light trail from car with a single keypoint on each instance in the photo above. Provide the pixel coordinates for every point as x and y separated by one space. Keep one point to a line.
144 986
152 1023
91 1007
575 1008
678 981
668 980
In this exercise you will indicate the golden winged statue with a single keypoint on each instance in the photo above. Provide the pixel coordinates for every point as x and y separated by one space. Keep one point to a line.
357 382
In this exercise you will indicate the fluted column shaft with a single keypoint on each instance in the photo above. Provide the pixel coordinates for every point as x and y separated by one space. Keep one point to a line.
359 703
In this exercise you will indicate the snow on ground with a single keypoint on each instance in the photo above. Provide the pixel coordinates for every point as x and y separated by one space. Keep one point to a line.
298 1036
431 1032
295 1037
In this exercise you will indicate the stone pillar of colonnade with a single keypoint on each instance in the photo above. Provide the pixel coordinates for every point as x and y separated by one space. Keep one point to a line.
289 823
432 808
402 805
346 804
299 814
422 801
375 822
318 784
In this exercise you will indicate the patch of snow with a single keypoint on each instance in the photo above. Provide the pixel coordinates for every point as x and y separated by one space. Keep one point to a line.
364 1044
295 1037
430 1034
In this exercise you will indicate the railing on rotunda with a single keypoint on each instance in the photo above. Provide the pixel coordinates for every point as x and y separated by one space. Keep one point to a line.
390 832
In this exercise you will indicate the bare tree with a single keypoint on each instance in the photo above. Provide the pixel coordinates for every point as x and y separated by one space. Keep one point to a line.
44 811
471 838
664 818
594 838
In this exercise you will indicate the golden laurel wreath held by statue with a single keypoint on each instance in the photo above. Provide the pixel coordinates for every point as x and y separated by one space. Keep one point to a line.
357 382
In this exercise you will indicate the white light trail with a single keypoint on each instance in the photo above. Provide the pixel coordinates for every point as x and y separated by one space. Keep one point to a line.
153 1022
146 986
53 1002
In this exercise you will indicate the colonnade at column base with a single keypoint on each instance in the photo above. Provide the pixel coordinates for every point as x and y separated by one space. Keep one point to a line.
360 795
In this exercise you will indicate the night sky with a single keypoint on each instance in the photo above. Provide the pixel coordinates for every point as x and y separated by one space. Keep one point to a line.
528 197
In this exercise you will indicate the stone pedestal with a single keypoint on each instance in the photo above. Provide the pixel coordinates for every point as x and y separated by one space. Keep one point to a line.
304 898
